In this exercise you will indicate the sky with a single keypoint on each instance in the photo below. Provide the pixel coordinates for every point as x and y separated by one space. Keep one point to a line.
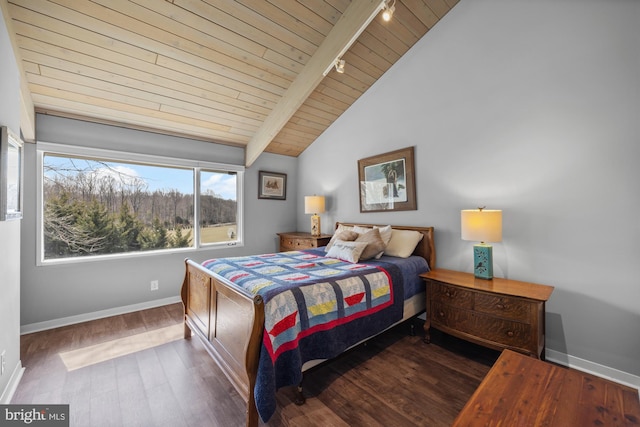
156 177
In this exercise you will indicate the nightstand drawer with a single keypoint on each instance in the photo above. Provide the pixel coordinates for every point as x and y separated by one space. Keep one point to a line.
452 295
502 306
452 317
295 244
298 241
505 332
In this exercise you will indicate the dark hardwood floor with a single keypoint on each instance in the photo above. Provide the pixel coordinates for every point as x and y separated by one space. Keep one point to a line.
394 380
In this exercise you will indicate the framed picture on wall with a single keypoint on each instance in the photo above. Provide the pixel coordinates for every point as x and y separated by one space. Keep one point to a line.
387 182
11 159
272 185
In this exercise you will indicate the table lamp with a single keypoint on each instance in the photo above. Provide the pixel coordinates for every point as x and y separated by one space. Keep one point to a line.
314 205
482 225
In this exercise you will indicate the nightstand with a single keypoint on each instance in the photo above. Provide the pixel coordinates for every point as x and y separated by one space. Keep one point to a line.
297 240
496 313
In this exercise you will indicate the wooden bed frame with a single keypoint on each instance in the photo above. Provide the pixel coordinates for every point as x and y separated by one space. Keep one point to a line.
230 320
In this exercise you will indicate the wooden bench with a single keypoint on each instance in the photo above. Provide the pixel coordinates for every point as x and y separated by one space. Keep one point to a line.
523 391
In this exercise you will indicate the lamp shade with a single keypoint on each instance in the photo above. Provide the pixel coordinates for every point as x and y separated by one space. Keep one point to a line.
481 225
313 204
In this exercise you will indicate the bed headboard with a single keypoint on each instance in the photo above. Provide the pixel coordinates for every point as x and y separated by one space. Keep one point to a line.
426 247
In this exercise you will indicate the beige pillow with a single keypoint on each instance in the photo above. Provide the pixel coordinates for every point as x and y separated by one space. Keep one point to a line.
374 242
339 230
402 243
346 251
347 236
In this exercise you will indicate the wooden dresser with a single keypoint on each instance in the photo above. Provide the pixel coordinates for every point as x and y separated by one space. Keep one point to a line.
297 240
497 313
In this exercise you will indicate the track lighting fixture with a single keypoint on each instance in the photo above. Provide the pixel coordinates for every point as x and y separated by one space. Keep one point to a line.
387 11
387 7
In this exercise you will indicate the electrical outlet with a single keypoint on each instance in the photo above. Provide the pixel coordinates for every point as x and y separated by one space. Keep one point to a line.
154 285
2 362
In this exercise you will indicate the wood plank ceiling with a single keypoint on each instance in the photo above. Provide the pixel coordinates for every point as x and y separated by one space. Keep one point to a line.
214 70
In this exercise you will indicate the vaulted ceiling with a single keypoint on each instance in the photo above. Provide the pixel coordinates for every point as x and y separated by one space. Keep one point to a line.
248 73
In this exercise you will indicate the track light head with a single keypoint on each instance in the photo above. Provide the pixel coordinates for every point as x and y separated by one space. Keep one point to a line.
387 11
340 65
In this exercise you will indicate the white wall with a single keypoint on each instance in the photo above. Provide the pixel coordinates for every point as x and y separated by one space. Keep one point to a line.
57 294
532 108
9 230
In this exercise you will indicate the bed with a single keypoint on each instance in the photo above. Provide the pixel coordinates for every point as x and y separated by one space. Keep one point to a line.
265 319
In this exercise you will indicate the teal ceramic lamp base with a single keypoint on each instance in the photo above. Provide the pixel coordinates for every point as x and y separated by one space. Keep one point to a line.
483 261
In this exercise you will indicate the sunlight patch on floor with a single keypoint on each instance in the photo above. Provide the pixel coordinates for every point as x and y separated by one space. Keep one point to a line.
86 356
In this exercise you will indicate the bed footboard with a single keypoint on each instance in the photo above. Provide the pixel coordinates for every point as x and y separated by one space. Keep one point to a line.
229 321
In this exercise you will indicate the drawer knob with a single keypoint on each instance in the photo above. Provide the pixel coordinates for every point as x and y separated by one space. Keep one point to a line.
501 306
509 333
447 293
441 314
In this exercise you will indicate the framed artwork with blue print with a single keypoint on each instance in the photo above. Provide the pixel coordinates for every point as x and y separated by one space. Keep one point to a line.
387 182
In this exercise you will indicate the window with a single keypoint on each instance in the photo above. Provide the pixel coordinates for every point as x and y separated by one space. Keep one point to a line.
218 207
98 203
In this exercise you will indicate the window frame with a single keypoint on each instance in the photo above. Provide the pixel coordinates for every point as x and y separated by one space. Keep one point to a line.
43 148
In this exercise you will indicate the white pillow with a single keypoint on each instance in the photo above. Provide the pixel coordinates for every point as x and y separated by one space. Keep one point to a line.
361 230
402 243
385 235
346 251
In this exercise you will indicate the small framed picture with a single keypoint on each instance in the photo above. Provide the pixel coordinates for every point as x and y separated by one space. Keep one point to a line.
11 160
272 185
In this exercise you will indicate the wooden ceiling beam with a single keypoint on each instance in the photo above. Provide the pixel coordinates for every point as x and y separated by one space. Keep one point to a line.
352 21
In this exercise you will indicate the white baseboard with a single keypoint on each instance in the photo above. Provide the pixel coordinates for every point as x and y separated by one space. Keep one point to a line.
593 368
71 320
12 386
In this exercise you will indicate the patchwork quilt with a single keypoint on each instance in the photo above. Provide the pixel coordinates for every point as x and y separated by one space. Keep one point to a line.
315 308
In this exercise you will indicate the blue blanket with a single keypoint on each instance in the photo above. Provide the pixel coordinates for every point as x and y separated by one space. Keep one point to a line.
315 308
